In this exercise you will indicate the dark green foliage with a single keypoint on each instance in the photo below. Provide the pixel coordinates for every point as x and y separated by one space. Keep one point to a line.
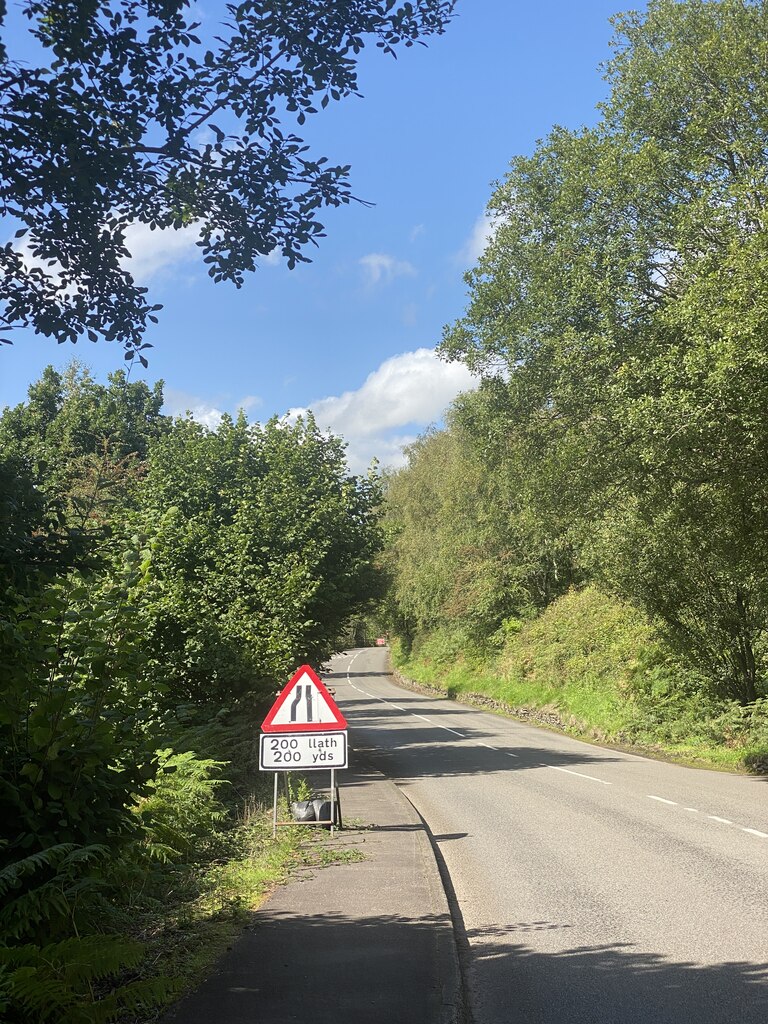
263 547
150 573
45 977
619 318
132 118
85 442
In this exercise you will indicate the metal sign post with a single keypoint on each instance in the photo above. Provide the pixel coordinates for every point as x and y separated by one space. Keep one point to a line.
335 820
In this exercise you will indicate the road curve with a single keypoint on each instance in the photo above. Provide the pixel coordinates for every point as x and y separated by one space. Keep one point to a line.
592 886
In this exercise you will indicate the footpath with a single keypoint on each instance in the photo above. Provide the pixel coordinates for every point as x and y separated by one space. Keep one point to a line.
367 942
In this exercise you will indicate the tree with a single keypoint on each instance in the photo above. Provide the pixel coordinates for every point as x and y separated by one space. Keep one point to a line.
621 308
85 442
472 540
263 547
132 118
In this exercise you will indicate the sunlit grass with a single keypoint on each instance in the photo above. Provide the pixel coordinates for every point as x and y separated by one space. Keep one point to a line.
198 910
594 667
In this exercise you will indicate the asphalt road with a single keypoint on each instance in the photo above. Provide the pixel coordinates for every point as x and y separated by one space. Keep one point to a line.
591 886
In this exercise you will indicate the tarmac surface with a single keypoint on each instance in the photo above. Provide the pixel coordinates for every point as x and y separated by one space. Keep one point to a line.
366 942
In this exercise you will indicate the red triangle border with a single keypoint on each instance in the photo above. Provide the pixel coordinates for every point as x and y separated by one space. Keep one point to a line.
340 723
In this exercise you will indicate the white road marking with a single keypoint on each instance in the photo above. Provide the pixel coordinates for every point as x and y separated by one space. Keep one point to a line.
453 731
581 775
555 768
711 817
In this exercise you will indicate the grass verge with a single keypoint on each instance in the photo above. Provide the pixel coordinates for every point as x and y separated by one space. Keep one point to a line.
188 912
594 668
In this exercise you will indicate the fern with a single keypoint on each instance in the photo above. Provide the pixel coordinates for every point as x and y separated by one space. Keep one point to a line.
55 981
13 874
182 806
27 906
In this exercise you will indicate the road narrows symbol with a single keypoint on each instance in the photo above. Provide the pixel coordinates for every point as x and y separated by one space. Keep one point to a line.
304 704
295 704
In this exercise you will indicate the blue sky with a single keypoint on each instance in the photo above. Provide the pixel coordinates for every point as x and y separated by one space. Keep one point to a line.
351 335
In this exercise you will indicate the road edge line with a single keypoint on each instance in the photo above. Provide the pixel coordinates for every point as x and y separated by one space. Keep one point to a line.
461 945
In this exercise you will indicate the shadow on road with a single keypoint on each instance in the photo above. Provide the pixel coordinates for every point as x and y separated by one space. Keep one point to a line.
332 968
414 749
612 984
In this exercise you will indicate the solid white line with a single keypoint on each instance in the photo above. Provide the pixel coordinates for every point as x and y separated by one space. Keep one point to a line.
567 771
352 662
404 710
580 774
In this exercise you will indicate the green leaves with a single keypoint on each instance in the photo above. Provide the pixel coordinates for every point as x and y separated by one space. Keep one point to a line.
109 136
619 317
264 547
145 566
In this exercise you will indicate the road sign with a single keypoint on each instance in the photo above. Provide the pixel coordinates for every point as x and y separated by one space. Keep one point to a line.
304 705
285 751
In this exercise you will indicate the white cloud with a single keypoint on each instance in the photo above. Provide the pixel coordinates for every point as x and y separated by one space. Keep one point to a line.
482 232
250 402
155 251
379 267
179 403
405 394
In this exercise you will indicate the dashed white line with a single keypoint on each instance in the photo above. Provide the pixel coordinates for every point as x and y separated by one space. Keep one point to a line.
555 768
581 775
711 817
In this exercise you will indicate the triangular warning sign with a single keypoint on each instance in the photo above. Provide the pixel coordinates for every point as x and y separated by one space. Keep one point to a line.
304 705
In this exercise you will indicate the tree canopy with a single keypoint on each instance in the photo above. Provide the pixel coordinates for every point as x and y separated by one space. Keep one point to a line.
618 317
130 116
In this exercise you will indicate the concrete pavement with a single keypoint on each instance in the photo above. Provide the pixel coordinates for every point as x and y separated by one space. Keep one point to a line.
369 942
